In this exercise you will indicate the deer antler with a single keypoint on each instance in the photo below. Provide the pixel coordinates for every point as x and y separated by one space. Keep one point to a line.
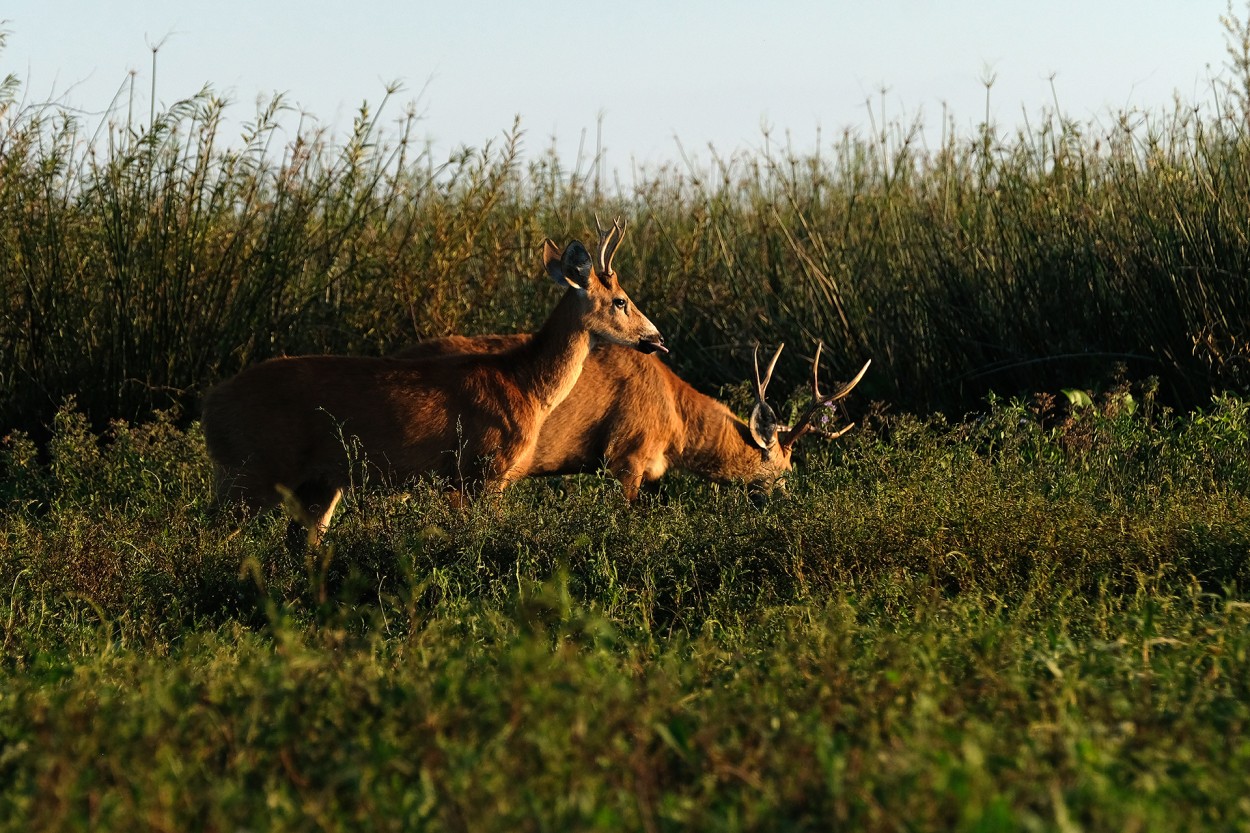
760 387
603 256
819 401
609 245
764 422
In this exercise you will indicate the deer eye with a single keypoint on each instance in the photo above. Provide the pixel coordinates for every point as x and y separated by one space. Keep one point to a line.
619 303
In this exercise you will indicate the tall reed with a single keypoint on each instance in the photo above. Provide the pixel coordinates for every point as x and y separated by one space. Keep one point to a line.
142 262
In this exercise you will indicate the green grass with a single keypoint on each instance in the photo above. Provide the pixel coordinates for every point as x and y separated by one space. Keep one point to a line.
1033 618
999 624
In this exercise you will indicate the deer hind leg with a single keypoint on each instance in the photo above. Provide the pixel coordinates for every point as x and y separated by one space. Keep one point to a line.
316 501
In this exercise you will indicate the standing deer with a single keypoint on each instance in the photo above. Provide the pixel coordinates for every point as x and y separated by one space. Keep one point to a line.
472 419
636 416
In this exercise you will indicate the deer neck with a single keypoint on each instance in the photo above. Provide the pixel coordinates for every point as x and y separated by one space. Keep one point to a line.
551 362
718 444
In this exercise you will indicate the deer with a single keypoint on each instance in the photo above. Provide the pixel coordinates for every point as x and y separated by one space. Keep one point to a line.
283 428
632 414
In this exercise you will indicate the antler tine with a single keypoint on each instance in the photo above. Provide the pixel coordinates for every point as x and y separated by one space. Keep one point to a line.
816 372
606 246
618 226
833 435
761 387
846 390
755 359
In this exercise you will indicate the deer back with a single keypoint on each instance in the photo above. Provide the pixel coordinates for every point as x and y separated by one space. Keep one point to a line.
622 405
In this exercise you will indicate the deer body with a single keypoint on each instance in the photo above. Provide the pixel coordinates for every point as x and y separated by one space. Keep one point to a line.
631 413
312 423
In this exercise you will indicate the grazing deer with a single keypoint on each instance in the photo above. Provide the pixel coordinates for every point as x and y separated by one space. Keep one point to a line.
636 416
473 419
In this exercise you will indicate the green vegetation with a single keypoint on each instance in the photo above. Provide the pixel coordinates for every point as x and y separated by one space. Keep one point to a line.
143 262
1034 618
1028 621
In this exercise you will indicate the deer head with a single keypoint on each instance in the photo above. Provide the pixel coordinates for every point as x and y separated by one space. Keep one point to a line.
608 312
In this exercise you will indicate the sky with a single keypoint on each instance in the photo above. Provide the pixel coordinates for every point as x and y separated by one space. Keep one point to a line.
657 78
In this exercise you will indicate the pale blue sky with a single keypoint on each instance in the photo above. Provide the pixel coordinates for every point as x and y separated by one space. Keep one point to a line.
701 71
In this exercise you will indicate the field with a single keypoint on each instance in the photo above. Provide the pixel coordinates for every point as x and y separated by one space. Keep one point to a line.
982 626
1015 597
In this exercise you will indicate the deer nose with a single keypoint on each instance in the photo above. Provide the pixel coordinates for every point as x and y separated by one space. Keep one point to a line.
653 343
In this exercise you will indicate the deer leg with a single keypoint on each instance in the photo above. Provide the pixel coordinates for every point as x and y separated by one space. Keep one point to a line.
632 472
636 468
631 484
321 522
511 467
317 502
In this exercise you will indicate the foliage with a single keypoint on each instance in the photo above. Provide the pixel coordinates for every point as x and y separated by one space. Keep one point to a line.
143 262
1033 619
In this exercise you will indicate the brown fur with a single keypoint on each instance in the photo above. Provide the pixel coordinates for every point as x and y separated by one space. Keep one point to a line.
313 423
633 414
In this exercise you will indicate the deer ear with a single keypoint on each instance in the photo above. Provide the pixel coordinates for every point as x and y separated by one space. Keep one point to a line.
572 268
764 426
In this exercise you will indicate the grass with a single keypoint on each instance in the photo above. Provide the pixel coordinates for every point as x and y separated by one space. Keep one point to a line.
1033 620
1033 617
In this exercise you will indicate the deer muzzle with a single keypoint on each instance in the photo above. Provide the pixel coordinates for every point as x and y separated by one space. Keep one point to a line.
651 344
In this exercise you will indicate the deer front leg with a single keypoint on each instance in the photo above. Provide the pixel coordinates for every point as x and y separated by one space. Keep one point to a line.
511 464
637 469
